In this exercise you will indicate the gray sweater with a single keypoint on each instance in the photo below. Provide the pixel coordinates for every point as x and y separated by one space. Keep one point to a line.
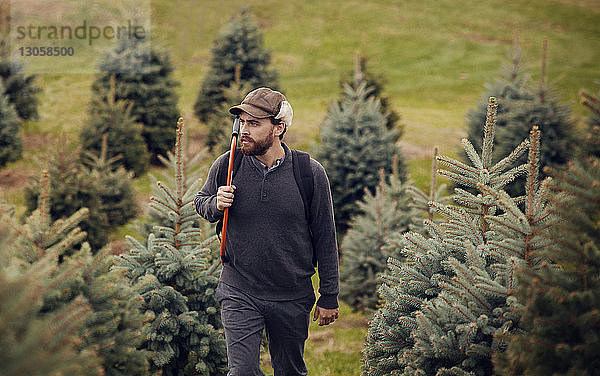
269 242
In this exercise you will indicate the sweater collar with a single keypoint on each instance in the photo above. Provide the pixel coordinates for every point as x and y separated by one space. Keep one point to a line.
264 169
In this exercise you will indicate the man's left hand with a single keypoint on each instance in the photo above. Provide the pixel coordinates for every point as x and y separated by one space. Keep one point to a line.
326 316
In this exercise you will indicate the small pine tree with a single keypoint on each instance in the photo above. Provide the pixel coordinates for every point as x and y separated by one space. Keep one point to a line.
239 45
114 326
117 326
218 139
107 193
561 304
18 87
11 146
355 145
376 82
521 107
508 89
421 201
194 169
113 118
33 344
39 250
173 274
448 304
364 254
143 77
71 187
114 185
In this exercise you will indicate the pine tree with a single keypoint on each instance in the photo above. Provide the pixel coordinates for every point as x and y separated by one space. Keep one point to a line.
113 118
239 45
33 344
420 200
113 326
562 300
355 146
11 146
71 187
107 192
218 139
522 106
17 86
117 326
49 296
173 274
143 77
511 87
194 169
376 82
364 254
114 186
449 303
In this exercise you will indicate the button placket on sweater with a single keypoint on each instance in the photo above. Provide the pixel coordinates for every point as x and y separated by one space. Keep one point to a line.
264 196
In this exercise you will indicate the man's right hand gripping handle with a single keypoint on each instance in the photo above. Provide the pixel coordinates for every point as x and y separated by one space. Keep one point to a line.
225 195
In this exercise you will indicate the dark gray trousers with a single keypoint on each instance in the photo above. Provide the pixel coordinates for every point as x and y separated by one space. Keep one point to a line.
245 317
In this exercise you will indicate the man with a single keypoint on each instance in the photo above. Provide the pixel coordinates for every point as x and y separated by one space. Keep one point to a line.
271 242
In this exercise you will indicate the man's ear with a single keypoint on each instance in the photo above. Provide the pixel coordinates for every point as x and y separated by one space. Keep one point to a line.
279 128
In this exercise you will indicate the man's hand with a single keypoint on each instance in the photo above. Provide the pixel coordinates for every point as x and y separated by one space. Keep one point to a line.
225 196
326 316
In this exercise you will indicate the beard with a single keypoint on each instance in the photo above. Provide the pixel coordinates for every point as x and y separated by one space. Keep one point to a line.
258 147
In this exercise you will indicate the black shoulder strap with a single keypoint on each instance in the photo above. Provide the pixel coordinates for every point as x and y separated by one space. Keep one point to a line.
222 177
304 178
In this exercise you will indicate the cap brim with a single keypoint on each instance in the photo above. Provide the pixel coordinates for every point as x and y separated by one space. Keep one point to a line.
250 110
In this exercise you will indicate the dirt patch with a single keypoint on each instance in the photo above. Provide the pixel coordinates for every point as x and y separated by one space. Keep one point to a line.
321 336
35 142
352 322
13 179
411 151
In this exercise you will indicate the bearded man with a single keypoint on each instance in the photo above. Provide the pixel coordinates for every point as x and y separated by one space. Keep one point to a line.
277 235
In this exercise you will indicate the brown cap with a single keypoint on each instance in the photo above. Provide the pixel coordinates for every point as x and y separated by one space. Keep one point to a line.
260 103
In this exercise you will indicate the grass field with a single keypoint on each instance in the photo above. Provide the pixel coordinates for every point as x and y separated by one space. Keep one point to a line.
437 57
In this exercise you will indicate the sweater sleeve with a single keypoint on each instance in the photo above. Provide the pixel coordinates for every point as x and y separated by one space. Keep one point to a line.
322 226
206 199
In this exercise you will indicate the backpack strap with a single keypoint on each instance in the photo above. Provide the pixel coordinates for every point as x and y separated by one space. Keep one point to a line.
304 178
222 177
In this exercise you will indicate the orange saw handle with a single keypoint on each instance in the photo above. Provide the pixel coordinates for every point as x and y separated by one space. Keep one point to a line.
234 137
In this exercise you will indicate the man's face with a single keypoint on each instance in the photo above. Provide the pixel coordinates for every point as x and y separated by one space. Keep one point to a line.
257 135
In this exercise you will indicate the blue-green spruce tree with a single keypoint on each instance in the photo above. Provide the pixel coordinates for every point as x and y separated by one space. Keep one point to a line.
237 54
17 86
11 145
113 119
171 269
364 255
143 76
355 145
521 106
562 299
449 303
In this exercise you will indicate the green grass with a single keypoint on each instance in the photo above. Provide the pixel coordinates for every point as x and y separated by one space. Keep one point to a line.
436 56
335 349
